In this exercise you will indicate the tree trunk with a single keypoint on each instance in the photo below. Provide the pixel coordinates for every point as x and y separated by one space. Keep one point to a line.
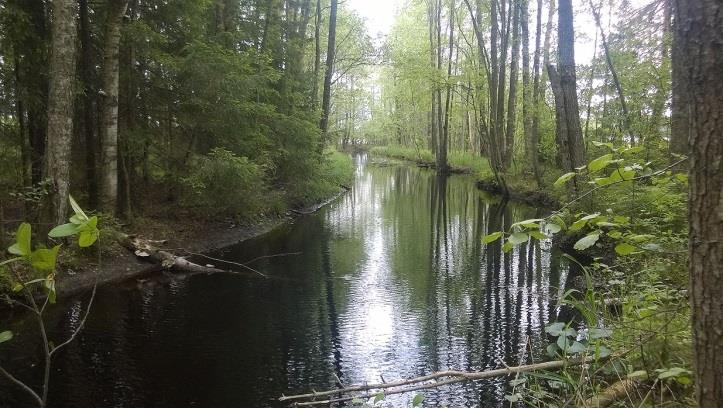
86 74
616 79
317 56
535 130
530 149
679 110
60 108
109 196
326 97
433 65
442 166
698 39
662 89
514 69
571 135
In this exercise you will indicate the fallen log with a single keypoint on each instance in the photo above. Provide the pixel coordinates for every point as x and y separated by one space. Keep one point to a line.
433 380
146 250
615 392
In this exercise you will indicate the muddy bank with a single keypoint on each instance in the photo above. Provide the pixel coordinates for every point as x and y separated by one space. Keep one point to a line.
535 198
118 264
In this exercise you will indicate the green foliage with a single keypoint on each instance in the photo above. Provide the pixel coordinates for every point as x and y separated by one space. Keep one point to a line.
86 228
336 170
222 182
459 161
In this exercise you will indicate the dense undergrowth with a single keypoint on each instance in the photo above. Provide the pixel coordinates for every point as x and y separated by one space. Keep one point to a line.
222 183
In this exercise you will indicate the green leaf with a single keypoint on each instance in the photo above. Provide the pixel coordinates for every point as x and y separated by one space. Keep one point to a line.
577 347
603 352
564 179
518 238
590 216
379 397
417 400
87 238
552 350
52 294
491 237
531 223
577 225
624 249
538 235
22 241
555 329
563 343
596 333
76 208
633 150
5 336
18 287
63 230
586 241
76 219
552 228
601 144
600 163
507 247
44 259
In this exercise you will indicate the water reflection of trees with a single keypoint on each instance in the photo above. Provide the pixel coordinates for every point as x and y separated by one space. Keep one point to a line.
504 298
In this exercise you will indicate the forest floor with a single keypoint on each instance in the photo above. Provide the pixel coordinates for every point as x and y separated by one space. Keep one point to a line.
174 232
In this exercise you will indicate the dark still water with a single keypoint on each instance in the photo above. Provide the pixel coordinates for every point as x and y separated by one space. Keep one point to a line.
392 279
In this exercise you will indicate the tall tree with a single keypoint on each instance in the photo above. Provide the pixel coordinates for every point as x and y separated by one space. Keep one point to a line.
698 43
564 84
109 142
442 166
330 51
616 79
60 108
512 97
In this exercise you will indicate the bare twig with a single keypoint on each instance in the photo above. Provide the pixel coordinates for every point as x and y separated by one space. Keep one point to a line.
227 262
82 322
22 385
428 381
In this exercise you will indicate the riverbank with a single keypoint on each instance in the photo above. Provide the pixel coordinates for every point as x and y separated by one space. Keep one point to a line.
520 186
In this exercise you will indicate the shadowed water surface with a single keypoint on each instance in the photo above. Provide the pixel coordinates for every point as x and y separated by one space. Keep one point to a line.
392 280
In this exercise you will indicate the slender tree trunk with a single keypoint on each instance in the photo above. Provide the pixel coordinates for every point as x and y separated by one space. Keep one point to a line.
590 88
662 89
60 108
86 73
535 130
514 69
526 80
109 196
698 39
23 139
317 56
505 19
679 113
442 166
616 79
326 97
434 129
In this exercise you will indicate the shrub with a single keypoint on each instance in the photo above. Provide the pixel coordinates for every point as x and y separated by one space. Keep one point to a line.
222 182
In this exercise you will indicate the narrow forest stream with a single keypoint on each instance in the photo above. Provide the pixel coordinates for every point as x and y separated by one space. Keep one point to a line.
392 279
